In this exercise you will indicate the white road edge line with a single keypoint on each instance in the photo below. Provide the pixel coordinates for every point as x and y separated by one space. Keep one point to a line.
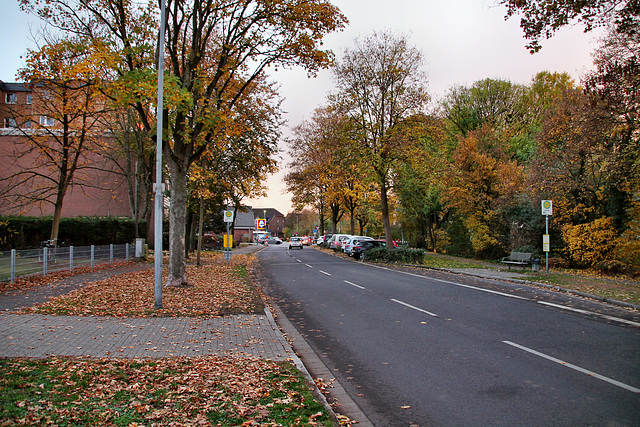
299 260
456 284
574 367
353 284
592 313
324 272
309 265
415 308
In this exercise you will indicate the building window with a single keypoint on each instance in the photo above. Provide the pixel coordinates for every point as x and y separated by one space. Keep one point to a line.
46 121
29 98
10 123
11 98
27 124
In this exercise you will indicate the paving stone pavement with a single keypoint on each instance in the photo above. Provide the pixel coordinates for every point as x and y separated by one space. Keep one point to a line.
40 336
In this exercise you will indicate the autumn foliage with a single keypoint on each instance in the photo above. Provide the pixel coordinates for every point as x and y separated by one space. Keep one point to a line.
217 289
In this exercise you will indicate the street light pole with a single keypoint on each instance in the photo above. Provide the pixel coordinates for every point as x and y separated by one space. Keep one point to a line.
159 208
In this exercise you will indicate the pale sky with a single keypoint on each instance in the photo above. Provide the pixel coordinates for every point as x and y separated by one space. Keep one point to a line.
462 41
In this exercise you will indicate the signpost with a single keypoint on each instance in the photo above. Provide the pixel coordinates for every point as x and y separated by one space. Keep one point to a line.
228 238
547 210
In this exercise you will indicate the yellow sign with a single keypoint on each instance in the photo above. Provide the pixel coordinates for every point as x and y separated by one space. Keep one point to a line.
228 241
262 224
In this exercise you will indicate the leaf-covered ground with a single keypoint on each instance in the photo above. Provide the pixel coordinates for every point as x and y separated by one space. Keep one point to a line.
215 289
203 391
207 391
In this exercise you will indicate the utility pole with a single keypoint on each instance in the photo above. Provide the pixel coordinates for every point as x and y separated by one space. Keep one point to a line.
159 203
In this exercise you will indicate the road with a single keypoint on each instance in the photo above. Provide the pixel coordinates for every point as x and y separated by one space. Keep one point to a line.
420 347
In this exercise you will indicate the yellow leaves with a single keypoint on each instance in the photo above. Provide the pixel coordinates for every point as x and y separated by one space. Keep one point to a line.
592 242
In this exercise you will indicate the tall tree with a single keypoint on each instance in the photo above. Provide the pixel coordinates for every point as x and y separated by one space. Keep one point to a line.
315 177
419 180
615 87
61 144
380 82
542 18
215 52
481 186
500 104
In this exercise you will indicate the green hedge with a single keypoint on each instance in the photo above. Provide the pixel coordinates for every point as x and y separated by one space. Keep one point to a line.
29 232
404 255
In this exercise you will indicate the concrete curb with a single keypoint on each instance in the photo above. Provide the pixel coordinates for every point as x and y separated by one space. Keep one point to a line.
300 349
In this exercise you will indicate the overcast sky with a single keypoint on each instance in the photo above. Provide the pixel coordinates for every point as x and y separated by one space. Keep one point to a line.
462 41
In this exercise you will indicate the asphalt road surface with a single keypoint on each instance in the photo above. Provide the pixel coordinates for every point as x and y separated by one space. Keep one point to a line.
422 347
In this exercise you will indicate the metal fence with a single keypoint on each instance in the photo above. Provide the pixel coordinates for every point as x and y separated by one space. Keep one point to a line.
32 262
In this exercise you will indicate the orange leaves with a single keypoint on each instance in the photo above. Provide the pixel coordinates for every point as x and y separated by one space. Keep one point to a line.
215 289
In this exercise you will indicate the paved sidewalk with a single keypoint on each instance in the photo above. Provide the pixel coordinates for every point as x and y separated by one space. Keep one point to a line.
39 336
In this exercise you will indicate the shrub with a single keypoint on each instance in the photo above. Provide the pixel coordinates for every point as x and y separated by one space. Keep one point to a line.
29 232
391 255
614 267
591 243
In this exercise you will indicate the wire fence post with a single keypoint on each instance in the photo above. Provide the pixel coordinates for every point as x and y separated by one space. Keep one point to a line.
13 265
70 258
93 249
111 253
126 249
45 255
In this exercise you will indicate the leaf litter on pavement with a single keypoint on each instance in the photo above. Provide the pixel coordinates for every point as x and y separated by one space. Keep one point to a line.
203 391
215 289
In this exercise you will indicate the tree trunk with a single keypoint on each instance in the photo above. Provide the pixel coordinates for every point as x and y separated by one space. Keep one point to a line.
55 225
384 206
200 229
177 227
352 221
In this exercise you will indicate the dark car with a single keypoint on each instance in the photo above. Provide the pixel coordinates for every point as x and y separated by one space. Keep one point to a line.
363 246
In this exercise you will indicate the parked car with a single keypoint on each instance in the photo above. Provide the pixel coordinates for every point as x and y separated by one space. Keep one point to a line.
348 245
320 240
273 240
295 242
325 241
336 241
360 248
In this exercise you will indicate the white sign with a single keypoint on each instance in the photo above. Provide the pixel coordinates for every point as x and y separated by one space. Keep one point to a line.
547 207
546 243
228 216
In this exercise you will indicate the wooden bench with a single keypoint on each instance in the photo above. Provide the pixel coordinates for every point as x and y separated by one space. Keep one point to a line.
517 258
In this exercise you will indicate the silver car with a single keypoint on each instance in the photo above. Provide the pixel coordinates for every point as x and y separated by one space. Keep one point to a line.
295 242
348 245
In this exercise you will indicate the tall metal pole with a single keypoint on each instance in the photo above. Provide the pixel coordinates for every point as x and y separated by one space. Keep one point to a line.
159 208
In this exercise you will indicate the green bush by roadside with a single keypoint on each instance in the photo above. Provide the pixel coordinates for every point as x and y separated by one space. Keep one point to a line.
28 232
406 255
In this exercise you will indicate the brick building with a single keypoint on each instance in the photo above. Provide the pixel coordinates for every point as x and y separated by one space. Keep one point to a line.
275 220
97 188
